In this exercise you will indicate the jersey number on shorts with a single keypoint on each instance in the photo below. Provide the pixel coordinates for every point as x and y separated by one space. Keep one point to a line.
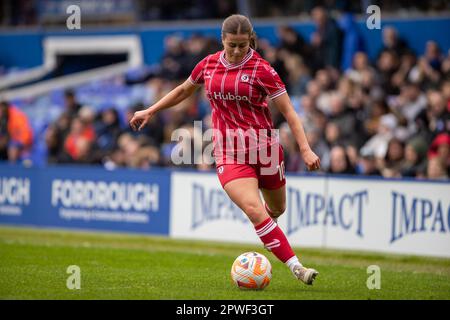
280 168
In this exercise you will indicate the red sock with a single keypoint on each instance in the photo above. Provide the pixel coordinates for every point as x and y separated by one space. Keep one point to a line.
274 239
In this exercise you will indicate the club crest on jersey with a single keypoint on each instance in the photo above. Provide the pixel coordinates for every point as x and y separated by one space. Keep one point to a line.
245 78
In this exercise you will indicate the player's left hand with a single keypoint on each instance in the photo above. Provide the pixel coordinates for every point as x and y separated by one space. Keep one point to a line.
312 161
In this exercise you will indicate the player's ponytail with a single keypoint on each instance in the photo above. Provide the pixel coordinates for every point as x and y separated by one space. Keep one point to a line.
239 24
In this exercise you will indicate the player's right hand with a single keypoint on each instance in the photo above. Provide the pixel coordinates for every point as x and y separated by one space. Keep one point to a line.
140 119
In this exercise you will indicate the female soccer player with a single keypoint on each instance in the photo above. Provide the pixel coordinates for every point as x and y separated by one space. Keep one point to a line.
237 82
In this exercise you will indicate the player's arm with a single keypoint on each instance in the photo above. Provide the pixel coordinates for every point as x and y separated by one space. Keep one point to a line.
174 97
283 103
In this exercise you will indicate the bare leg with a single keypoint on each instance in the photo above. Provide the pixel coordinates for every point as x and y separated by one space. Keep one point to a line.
275 201
244 193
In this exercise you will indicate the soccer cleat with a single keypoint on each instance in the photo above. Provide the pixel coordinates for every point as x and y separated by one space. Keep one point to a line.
306 275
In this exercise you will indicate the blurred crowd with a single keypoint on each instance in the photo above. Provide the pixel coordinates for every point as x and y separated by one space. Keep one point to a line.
34 12
387 117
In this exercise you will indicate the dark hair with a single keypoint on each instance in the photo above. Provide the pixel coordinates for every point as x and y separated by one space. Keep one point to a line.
69 93
239 24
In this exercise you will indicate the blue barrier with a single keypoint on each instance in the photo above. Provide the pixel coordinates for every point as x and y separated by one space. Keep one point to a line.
86 198
346 212
19 195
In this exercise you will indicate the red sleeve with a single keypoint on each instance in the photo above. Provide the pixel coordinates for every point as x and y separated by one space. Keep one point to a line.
196 76
269 81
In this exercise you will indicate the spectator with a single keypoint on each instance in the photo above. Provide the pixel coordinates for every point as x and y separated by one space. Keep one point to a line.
344 118
71 104
53 143
340 162
445 67
107 130
353 154
404 72
128 149
24 12
376 110
4 134
440 148
16 134
445 89
408 105
436 169
326 40
415 158
359 65
79 140
392 42
433 55
332 134
370 86
308 112
387 65
62 129
293 42
196 48
435 118
313 90
367 166
172 62
298 75
427 71
145 158
394 155
378 144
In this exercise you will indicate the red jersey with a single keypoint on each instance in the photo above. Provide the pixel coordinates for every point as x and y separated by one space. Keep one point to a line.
238 97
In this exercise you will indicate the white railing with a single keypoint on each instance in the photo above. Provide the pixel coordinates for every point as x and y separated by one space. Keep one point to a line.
65 81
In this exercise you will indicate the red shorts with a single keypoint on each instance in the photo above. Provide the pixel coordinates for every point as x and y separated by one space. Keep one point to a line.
270 175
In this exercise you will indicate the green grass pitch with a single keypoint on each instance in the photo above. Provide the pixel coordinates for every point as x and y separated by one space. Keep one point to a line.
34 262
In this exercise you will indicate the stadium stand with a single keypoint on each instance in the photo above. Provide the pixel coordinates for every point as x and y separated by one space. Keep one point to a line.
383 113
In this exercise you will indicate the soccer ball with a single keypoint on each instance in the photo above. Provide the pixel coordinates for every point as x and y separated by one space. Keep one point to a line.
251 270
